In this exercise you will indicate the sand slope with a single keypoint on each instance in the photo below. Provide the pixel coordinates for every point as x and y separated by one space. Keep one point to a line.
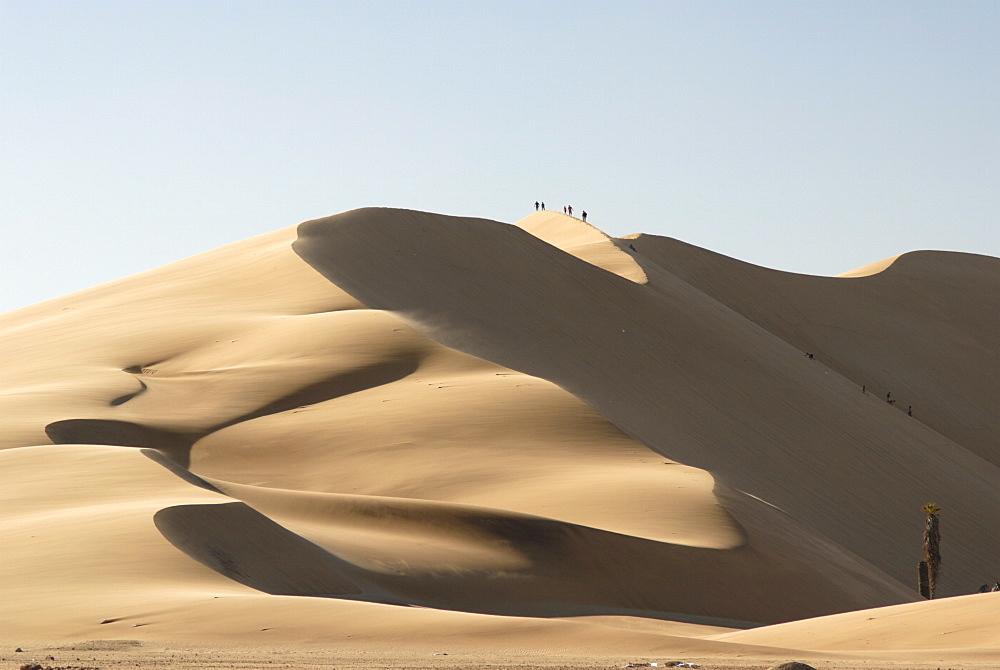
921 328
962 622
385 407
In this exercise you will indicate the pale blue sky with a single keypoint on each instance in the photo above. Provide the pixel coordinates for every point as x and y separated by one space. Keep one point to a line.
804 136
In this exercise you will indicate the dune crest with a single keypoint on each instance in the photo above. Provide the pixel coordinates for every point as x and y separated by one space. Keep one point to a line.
586 242
870 268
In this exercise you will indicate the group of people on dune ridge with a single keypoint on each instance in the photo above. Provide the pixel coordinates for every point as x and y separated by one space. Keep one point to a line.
567 209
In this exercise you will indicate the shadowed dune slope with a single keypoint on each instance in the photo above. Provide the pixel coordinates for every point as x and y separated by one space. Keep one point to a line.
312 427
923 328
658 360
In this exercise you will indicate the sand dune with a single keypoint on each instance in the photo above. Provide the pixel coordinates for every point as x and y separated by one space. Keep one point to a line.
423 428
971 621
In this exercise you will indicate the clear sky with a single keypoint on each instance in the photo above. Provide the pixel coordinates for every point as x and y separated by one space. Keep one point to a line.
805 136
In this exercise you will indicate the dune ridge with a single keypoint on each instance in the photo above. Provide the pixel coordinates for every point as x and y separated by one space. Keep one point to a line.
535 434
584 241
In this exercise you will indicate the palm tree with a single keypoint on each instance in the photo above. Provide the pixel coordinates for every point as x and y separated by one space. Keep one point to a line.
930 567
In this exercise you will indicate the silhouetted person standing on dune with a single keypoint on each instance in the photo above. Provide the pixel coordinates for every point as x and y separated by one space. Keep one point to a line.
543 206
536 205
570 208
584 216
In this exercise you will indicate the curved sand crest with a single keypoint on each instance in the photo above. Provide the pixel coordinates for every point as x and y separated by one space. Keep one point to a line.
583 241
359 379
870 268
531 447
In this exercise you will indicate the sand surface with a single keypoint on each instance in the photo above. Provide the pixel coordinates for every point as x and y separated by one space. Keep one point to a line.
397 439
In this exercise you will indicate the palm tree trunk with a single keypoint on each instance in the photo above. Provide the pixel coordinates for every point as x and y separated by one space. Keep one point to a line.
922 585
932 552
